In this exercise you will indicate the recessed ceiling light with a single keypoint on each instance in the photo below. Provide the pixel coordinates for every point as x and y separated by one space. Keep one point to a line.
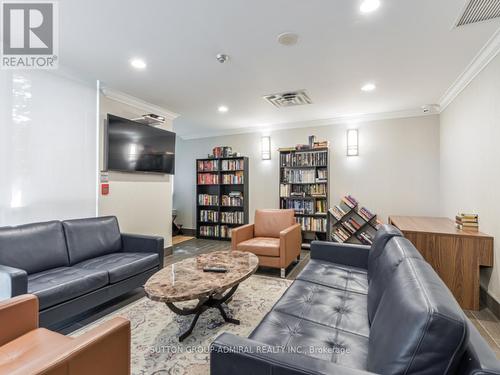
288 39
368 6
138 63
223 109
368 87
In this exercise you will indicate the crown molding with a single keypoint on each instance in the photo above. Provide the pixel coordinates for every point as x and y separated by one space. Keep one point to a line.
341 120
478 63
137 103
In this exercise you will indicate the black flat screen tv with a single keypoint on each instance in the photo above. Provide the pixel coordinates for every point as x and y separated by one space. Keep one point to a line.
135 147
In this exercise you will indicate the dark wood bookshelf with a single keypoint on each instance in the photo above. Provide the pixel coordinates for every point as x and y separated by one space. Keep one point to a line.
308 162
218 189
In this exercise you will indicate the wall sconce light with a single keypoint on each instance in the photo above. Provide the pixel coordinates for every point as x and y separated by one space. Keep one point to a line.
266 148
352 142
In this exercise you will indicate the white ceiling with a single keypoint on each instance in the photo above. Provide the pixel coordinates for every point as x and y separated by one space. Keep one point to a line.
407 47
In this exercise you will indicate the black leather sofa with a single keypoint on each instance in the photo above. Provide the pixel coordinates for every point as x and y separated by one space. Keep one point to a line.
357 310
74 265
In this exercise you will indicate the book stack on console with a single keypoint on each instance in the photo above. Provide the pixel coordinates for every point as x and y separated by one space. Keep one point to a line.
467 222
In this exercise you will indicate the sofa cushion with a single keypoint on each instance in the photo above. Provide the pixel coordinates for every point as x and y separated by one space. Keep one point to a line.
33 247
383 268
65 283
335 276
120 266
418 327
261 246
327 306
90 238
384 233
294 334
269 223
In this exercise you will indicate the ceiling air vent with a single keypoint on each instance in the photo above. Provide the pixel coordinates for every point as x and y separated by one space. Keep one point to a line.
478 11
288 99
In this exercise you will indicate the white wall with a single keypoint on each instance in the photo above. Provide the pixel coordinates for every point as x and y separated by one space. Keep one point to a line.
470 159
48 150
397 171
142 202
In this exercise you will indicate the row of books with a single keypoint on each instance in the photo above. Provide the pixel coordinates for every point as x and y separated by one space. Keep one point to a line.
338 212
225 231
313 190
350 201
209 216
235 217
365 238
312 224
208 200
340 234
366 214
207 166
468 222
304 159
236 178
294 176
352 225
321 206
208 179
209 230
300 206
232 201
232 165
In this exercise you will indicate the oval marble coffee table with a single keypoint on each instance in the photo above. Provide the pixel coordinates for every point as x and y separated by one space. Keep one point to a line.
186 281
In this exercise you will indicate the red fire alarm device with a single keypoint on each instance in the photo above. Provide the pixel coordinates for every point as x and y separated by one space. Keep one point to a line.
104 189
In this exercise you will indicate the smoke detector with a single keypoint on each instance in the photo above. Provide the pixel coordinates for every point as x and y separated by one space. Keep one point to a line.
288 39
222 58
478 11
288 99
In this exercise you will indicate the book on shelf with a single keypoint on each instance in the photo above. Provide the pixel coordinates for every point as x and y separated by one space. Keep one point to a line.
232 165
235 217
233 199
304 159
337 212
366 214
209 216
225 231
208 179
209 230
305 206
366 238
208 200
233 178
207 166
312 224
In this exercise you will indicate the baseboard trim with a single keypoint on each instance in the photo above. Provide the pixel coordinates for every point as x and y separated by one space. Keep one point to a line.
188 232
491 303
169 251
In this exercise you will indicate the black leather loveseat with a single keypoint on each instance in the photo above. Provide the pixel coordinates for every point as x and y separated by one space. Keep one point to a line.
74 265
355 310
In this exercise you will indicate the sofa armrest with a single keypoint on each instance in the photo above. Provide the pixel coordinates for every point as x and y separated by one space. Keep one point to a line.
18 316
240 234
231 354
290 244
102 350
341 253
140 243
13 282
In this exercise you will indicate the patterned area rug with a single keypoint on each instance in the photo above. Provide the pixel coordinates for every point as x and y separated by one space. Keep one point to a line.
155 347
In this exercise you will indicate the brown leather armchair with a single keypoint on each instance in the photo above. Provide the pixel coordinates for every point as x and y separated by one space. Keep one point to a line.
28 350
274 237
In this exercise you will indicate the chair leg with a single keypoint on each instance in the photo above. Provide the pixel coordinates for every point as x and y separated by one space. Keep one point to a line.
282 273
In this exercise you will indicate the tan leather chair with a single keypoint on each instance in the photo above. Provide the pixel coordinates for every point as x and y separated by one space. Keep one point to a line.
26 349
274 237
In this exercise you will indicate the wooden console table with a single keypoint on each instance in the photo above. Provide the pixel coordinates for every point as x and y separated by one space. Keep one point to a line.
456 255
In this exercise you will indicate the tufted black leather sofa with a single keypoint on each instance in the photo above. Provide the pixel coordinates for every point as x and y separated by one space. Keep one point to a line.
74 265
357 310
